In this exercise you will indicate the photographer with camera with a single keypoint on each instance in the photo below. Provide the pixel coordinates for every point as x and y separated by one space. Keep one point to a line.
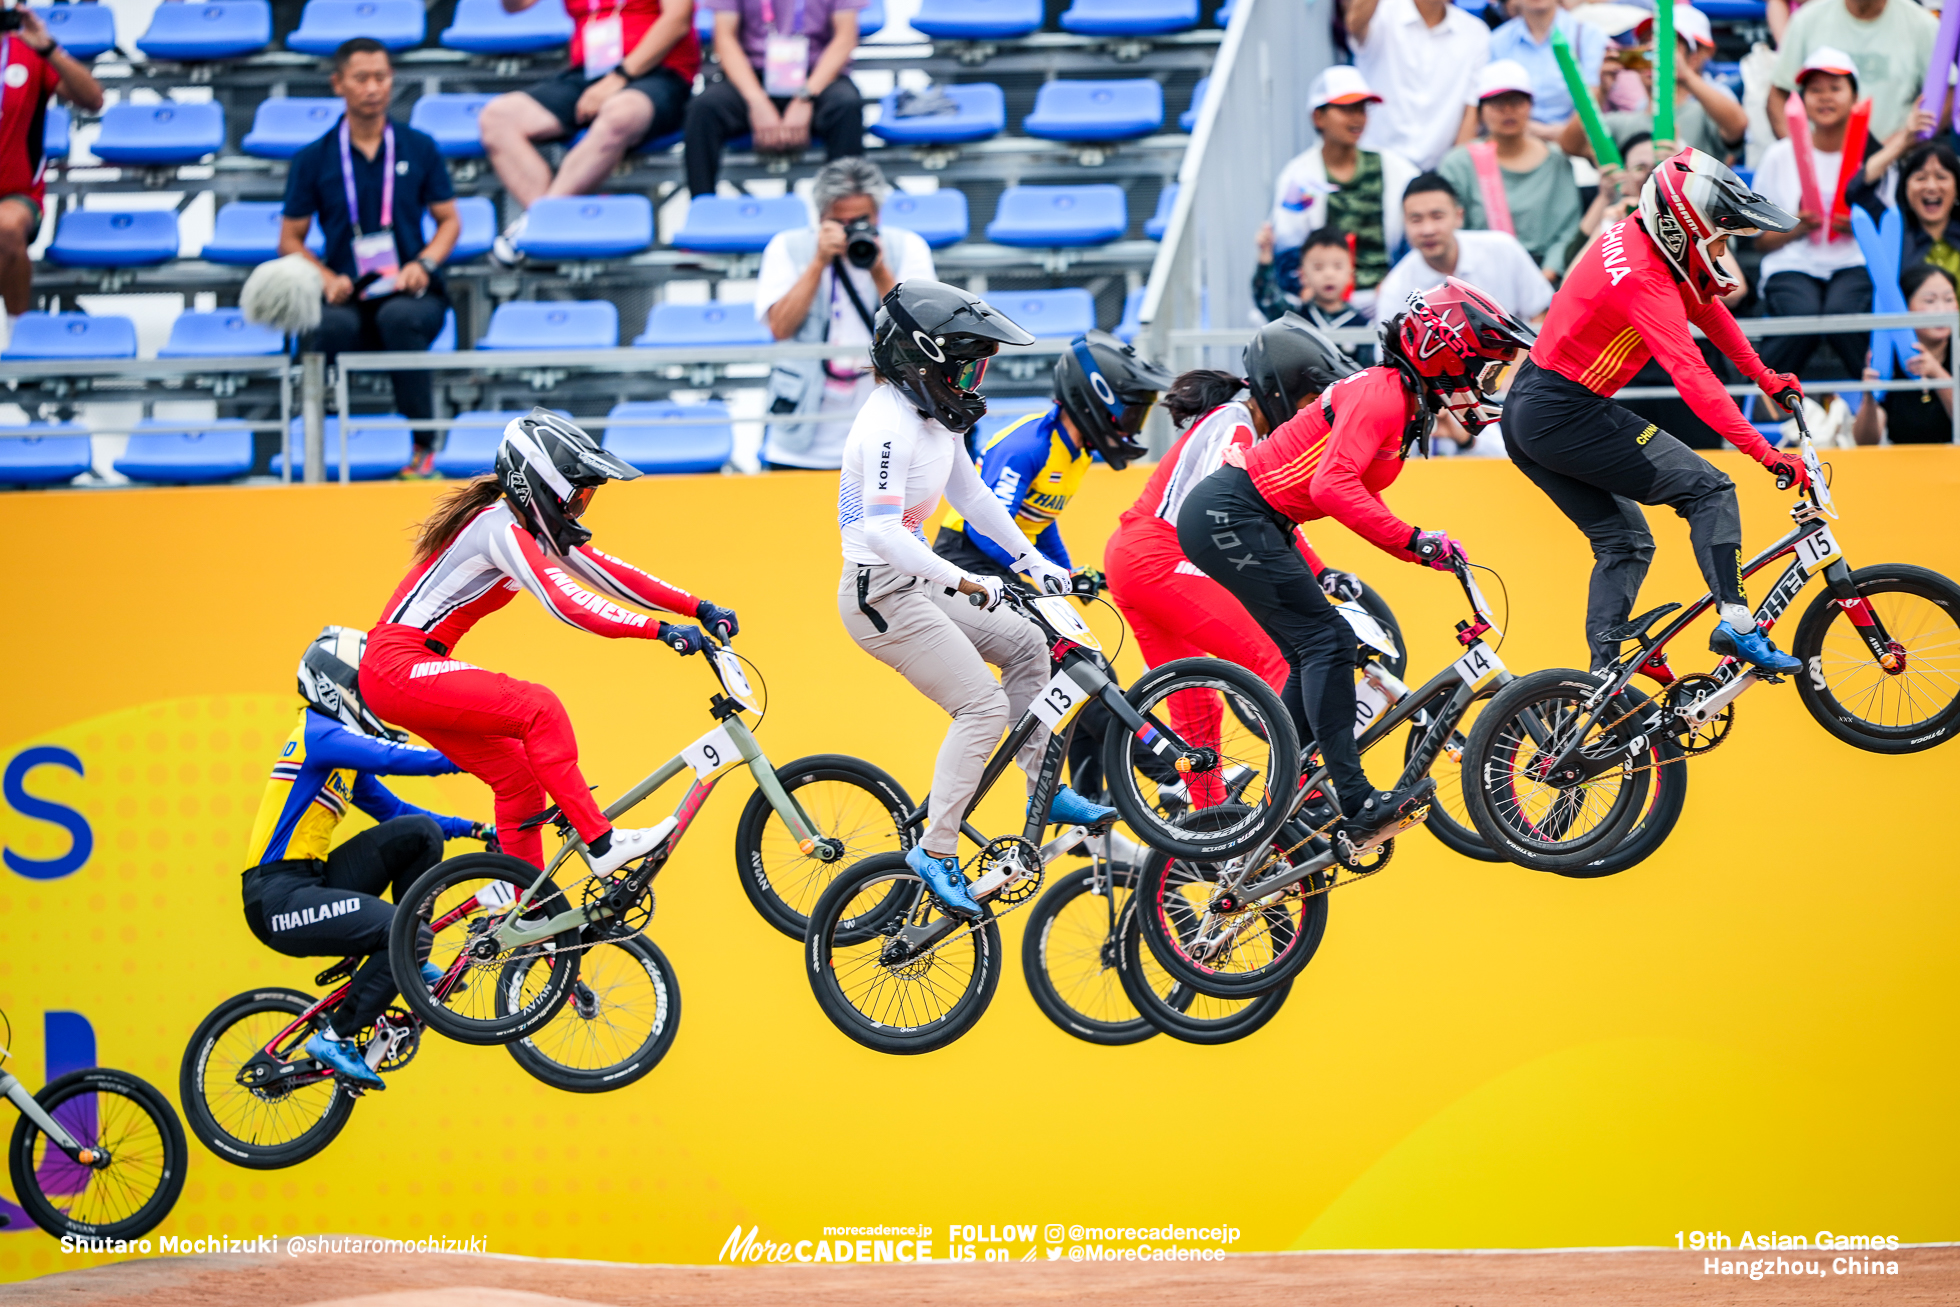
823 283
33 66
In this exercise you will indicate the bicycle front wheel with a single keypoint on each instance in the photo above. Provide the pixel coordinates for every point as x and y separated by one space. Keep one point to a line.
1068 954
1257 759
857 810
448 917
1232 950
293 1107
621 1018
915 984
1178 1010
136 1157
1914 703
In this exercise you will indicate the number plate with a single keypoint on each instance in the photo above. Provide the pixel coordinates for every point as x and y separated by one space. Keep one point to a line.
734 678
1369 703
1366 629
1066 620
710 753
1058 701
1817 550
1478 665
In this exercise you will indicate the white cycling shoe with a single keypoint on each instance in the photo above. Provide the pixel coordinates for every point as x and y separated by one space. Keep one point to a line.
630 846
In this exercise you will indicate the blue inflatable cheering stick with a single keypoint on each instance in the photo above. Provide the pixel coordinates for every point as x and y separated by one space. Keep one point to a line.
1882 244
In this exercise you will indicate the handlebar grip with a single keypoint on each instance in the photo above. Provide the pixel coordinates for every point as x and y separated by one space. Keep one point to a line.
1784 480
978 601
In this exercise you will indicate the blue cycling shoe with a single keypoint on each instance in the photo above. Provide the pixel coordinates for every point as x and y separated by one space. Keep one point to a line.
944 878
431 975
1752 647
1068 808
344 1056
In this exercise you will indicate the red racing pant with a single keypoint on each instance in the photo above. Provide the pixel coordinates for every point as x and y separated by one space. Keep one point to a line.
512 735
1180 615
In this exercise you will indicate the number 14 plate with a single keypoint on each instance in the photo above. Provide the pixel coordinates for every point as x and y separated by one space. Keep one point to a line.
1477 666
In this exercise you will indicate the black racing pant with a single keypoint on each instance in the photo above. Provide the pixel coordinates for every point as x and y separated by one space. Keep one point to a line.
1599 462
1799 295
310 909
719 113
393 322
1230 531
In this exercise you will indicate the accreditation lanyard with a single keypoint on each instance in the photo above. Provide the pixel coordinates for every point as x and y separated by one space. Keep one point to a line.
785 55
795 19
387 176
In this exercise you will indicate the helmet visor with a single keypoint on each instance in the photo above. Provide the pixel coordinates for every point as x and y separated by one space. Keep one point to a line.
1130 420
964 374
581 500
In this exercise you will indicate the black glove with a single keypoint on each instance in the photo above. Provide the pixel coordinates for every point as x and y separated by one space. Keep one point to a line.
1086 584
487 832
683 640
1343 587
718 619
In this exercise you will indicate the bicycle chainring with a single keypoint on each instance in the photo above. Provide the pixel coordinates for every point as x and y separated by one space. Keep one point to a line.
1693 738
1019 860
406 1032
630 912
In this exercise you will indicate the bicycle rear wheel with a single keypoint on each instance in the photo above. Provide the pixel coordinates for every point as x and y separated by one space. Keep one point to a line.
1068 954
858 809
458 903
1178 1010
918 982
1258 759
1904 709
621 1018
1263 946
285 1118
136 1174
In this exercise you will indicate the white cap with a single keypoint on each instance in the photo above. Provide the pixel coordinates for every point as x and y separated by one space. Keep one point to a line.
1828 59
1503 77
1690 25
1340 84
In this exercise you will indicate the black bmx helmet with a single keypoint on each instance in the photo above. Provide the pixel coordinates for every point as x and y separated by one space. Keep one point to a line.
549 469
1107 389
330 681
1288 361
933 341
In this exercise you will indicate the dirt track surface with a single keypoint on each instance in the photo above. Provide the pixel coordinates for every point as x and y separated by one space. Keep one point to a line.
1625 1279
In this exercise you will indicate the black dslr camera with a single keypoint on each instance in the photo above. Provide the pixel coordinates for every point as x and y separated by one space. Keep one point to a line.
861 242
9 20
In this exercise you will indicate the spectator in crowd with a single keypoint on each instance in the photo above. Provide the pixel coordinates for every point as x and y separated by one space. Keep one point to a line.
1618 194
1326 277
1927 181
1338 184
1513 182
817 285
1817 266
379 276
632 70
1891 40
785 74
44 69
1492 261
1706 114
1527 40
1917 417
1424 57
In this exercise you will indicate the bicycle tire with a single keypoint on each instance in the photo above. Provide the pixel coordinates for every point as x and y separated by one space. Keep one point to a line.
1666 799
1449 818
1179 1011
197 1085
802 876
1047 934
976 991
543 1053
1488 774
144 1140
1815 682
1273 754
1296 926
476 981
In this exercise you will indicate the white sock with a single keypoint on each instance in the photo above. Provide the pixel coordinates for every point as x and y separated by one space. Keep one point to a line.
327 1032
1738 616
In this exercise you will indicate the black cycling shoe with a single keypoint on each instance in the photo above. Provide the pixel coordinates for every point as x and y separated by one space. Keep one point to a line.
1386 814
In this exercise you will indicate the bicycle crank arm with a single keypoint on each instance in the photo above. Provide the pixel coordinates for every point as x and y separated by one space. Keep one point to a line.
1056 849
520 934
17 1094
1709 706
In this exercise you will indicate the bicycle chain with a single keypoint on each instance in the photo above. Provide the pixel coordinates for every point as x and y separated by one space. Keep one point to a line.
606 929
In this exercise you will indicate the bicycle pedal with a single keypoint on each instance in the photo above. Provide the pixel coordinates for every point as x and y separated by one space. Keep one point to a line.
1769 678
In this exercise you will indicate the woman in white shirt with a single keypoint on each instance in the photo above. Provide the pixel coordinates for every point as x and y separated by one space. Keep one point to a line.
908 607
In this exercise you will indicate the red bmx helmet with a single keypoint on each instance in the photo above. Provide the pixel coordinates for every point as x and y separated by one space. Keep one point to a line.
1693 200
1457 340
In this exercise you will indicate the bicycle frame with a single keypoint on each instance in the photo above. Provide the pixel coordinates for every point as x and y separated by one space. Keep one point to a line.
16 1093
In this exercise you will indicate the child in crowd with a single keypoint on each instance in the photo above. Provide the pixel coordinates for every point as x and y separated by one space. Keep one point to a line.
1324 268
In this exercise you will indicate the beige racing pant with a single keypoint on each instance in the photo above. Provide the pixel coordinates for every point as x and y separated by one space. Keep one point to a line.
942 644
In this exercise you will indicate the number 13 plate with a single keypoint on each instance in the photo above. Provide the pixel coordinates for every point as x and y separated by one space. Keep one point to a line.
1058 701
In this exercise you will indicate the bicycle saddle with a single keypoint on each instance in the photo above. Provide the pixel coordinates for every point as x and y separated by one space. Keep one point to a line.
532 823
338 971
1637 628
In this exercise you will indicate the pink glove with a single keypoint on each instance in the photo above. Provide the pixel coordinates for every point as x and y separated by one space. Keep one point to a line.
1779 386
1436 549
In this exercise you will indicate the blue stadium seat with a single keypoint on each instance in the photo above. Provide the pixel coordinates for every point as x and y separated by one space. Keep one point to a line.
54 137
221 333
1733 11
588 227
978 20
51 336
282 128
553 324
159 135
1224 15
939 217
1188 120
718 224
192 32
445 341
470 448
43 454
871 19
479 215
704 26
324 24
97 238
1002 411
163 449
1131 326
451 120
1153 226
1746 175
246 232
1060 215
1130 17
84 31
703 446
1096 111
1049 313
704 324
983 113
482 27
1728 74
374 452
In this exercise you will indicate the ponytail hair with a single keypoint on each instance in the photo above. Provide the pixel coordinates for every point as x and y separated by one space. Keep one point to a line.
1200 391
454 509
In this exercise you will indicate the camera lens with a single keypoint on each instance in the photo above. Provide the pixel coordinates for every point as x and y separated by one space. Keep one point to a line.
861 242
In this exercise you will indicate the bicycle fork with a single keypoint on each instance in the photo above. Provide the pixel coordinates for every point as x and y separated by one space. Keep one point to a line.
17 1093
